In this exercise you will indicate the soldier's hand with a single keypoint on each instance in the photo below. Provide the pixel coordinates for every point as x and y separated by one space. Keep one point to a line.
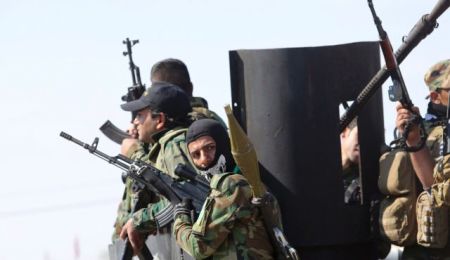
128 146
404 116
136 239
132 131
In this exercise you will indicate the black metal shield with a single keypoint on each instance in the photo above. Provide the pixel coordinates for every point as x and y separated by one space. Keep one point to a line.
288 102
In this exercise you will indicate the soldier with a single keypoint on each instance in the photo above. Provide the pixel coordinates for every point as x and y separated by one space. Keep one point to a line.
175 71
350 158
161 120
229 225
350 163
423 161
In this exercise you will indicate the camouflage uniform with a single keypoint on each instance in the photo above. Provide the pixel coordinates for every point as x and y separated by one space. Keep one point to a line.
169 150
200 110
141 152
228 227
418 252
438 77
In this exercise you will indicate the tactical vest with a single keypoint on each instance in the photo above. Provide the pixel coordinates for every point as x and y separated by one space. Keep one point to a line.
407 218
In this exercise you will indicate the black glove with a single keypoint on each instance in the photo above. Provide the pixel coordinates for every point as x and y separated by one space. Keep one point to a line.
184 207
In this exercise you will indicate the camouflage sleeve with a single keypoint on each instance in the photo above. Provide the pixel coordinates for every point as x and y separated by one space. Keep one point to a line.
217 219
175 152
138 153
123 211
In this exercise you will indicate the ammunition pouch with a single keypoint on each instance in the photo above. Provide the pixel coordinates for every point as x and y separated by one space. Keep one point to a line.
396 174
432 221
398 220
441 193
433 208
441 190
397 211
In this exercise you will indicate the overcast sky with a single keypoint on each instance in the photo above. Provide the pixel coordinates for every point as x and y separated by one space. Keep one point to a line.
62 69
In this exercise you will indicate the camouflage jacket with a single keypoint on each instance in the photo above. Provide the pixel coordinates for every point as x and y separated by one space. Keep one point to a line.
228 227
200 110
165 154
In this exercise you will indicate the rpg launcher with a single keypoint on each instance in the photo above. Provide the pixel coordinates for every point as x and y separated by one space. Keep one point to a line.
398 91
145 176
134 92
245 156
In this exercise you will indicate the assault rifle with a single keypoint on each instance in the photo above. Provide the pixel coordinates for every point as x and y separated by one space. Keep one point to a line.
420 31
145 176
398 91
134 92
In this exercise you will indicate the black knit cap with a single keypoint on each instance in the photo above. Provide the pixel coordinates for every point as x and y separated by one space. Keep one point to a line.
210 127
162 97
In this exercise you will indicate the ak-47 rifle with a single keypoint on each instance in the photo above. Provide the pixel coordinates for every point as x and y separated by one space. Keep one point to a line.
134 92
420 31
398 91
145 176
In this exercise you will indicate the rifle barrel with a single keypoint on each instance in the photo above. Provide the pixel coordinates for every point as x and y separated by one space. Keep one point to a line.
118 161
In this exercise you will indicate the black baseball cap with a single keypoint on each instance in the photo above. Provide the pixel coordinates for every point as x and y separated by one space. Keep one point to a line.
162 97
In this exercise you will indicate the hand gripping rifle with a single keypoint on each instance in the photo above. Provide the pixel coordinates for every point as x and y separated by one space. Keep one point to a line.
134 92
145 176
420 31
398 91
